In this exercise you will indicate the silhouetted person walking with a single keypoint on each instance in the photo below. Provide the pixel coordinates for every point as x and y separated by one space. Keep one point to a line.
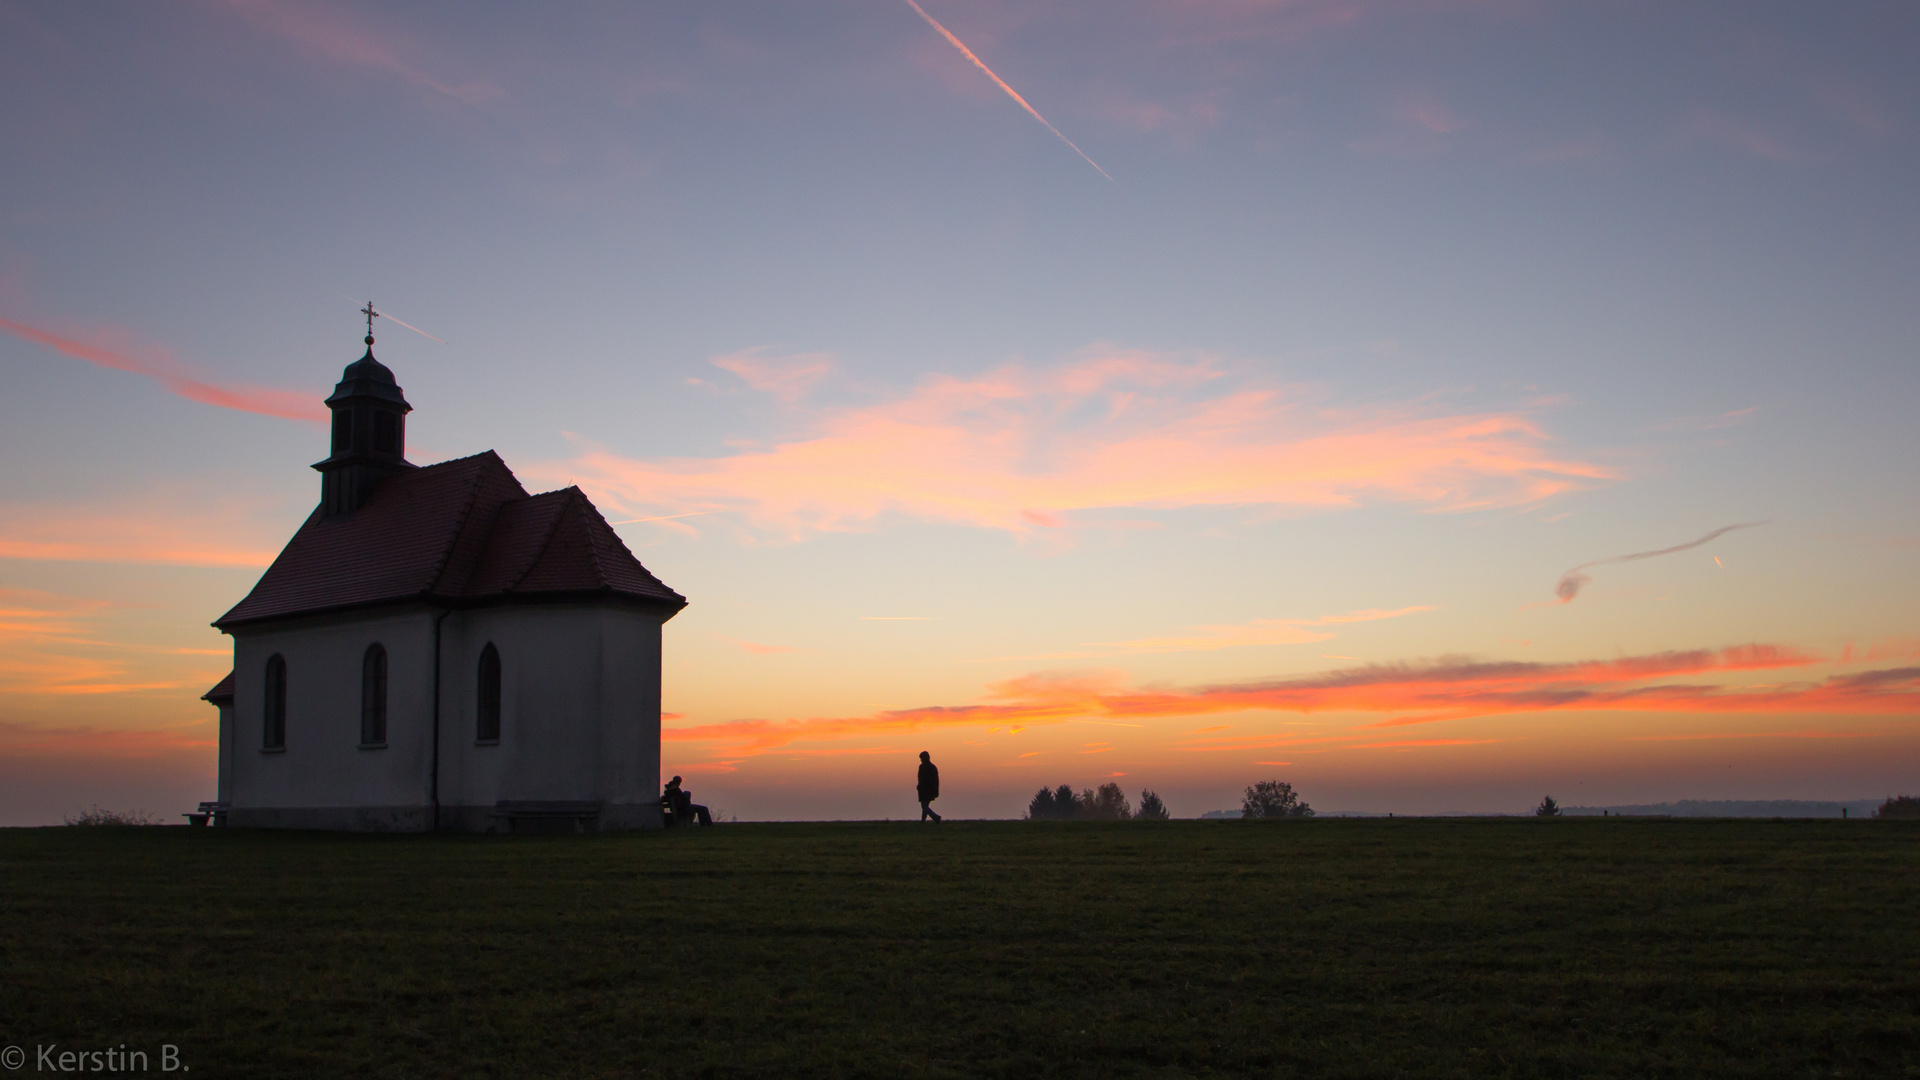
680 806
929 786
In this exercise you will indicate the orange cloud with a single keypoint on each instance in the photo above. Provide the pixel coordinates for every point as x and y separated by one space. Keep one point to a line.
151 531
1019 449
1447 689
112 347
30 740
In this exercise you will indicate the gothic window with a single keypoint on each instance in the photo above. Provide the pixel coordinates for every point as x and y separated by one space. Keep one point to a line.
489 727
274 726
373 697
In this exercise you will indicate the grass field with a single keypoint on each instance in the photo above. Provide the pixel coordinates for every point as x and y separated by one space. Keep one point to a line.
1469 948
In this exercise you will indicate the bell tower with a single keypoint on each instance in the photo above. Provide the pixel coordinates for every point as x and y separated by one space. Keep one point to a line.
369 432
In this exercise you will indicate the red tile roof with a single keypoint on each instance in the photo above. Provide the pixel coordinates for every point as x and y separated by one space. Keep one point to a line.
460 533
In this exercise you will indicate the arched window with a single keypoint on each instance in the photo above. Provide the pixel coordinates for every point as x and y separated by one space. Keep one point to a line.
489 727
373 697
273 733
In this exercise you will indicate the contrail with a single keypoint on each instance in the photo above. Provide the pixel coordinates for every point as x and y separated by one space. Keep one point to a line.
1002 84
390 317
663 517
1571 581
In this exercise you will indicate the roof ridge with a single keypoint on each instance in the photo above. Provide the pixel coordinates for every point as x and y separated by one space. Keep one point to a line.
593 549
552 531
611 533
453 534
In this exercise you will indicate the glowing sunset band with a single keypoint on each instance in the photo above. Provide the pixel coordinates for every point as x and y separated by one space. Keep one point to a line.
1427 693
1021 449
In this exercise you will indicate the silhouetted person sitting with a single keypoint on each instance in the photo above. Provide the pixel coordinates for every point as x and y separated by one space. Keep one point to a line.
680 807
929 787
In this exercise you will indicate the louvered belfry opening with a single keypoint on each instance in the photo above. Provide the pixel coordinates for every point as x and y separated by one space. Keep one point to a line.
369 435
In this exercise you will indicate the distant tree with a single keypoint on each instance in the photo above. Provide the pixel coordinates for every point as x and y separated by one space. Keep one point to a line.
1273 799
1042 808
1056 804
1906 806
1547 808
1107 804
1151 808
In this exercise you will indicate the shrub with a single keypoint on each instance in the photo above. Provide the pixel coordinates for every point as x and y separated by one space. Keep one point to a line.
1547 808
1151 808
97 816
1905 806
1273 799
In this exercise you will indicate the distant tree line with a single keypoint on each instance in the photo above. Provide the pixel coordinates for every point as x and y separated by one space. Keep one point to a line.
1107 803
1266 799
1905 806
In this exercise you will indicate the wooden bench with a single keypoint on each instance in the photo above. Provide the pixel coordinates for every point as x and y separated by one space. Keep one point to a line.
215 811
546 816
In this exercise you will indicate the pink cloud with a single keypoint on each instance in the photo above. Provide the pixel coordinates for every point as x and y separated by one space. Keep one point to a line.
340 37
755 647
1020 449
1706 125
787 377
112 347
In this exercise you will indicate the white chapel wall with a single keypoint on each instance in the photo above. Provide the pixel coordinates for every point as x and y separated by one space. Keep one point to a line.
580 710
324 778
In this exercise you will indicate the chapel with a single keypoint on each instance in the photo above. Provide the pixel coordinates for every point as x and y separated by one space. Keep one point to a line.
438 649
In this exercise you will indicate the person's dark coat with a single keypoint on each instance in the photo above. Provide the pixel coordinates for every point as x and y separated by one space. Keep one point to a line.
929 781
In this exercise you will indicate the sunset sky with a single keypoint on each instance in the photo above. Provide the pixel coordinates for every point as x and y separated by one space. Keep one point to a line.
1182 392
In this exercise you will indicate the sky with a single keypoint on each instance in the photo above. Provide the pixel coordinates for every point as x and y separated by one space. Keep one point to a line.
1176 393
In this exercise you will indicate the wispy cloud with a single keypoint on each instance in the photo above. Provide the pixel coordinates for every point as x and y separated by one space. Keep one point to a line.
148 531
54 645
756 647
1572 581
1025 449
112 347
1002 84
789 376
1209 638
1708 423
94 742
1709 126
342 37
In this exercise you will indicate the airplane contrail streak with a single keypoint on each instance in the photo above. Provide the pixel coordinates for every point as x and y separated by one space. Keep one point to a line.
392 318
1002 84
384 315
1570 582
663 517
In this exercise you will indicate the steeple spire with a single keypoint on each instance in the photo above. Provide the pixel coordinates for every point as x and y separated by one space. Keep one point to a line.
369 431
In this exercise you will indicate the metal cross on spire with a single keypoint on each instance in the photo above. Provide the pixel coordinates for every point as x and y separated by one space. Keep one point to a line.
370 314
